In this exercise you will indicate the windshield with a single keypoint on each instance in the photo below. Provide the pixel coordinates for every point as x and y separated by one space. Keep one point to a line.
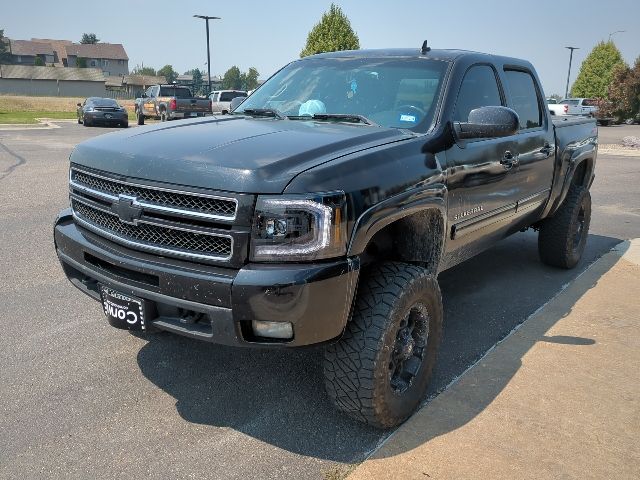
104 102
392 92
178 92
228 96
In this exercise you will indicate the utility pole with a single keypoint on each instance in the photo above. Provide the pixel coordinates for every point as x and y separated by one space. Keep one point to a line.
206 19
566 92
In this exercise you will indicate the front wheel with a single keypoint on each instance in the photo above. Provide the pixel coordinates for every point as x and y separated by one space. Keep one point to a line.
562 237
379 371
140 117
164 116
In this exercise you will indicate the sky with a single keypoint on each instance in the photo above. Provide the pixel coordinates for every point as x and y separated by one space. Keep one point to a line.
267 34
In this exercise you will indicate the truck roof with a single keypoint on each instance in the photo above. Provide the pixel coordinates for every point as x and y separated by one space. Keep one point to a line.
435 54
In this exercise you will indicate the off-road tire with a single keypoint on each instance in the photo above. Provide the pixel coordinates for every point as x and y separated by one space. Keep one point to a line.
140 117
357 369
164 116
562 237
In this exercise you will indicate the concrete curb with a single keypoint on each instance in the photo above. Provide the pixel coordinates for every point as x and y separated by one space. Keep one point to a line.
515 414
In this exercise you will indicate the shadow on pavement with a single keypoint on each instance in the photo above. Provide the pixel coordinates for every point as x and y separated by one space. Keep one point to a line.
277 396
502 374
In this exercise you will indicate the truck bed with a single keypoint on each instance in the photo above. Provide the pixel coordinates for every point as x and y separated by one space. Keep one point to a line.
561 121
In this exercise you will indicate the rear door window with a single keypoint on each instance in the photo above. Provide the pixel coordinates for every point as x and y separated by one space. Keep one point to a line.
479 89
524 98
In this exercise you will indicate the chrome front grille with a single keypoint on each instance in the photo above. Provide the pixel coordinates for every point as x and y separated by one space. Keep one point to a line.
169 222
194 204
157 238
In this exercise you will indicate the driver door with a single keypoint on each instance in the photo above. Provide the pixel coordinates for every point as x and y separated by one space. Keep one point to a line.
480 175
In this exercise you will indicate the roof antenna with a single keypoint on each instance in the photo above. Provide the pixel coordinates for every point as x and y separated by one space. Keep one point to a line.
425 48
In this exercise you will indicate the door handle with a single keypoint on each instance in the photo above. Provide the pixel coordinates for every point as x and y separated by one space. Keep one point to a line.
509 160
546 149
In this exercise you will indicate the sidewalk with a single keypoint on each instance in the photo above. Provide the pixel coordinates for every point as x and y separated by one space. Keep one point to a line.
559 398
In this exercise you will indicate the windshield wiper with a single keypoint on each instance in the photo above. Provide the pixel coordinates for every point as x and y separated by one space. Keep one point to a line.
345 117
264 112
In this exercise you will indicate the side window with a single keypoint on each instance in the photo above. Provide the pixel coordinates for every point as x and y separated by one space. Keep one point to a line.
479 89
149 91
524 98
215 96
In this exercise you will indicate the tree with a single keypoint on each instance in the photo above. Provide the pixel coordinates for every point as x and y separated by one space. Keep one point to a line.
89 38
142 70
197 81
624 91
169 73
5 55
331 34
596 71
232 79
38 62
251 79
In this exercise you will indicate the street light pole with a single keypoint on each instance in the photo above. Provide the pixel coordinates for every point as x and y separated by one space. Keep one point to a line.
617 31
206 19
566 92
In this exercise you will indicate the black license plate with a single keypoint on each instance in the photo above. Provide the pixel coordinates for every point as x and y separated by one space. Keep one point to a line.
123 311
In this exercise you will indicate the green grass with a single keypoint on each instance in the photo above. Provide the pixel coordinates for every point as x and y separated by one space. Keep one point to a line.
30 117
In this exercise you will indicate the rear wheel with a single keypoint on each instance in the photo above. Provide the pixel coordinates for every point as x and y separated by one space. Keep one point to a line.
164 116
140 117
379 371
562 237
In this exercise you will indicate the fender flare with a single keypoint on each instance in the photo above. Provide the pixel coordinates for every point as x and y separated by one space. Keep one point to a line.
393 209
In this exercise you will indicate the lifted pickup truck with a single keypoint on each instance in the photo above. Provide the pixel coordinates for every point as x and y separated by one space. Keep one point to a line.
324 207
167 102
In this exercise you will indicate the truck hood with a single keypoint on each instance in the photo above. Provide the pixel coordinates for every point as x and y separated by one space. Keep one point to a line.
232 153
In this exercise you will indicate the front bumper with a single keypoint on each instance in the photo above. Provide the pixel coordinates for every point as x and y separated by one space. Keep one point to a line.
315 298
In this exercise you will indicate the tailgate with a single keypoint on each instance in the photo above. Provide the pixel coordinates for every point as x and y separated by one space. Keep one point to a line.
192 105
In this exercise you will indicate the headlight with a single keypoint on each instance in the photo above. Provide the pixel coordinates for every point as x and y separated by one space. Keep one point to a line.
299 227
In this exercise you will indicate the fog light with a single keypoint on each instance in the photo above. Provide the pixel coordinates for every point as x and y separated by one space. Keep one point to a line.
282 330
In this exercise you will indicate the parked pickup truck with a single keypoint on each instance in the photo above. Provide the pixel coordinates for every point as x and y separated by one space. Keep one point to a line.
322 209
168 102
574 106
221 99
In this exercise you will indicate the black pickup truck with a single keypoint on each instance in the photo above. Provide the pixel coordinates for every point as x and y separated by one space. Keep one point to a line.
323 208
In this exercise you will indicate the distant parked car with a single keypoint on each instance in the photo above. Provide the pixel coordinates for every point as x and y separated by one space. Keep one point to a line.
221 99
102 111
633 120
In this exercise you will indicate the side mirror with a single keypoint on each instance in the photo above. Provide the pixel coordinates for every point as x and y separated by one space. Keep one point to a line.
488 122
235 102
79 104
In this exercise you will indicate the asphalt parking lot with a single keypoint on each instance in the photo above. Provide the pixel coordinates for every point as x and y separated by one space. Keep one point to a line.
80 399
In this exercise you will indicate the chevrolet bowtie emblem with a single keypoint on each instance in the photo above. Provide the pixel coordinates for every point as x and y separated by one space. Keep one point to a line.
127 209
